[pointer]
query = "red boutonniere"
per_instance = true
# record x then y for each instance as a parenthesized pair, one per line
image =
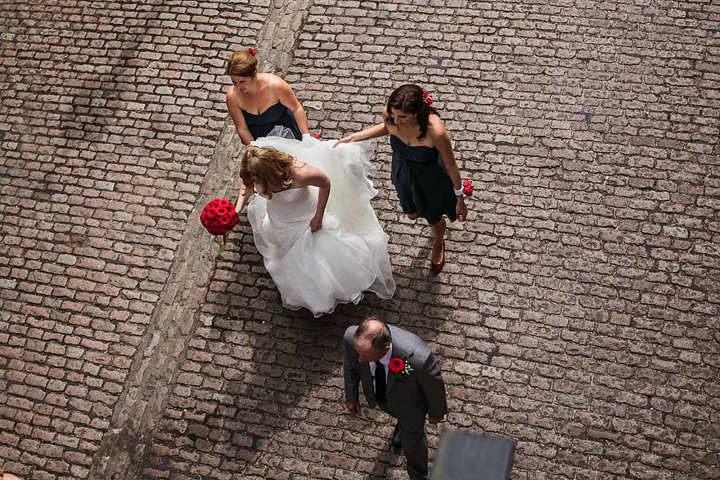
(399, 366)
(467, 187)
(219, 217)
(252, 51)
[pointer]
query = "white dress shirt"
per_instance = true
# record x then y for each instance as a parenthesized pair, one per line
(384, 361)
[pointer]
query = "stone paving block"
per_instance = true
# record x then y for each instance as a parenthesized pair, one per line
(98, 96)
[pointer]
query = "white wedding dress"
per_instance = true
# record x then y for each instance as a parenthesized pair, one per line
(348, 255)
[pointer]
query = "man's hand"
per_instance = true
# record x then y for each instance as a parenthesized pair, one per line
(353, 408)
(435, 421)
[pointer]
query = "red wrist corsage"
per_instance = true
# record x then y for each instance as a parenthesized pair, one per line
(467, 188)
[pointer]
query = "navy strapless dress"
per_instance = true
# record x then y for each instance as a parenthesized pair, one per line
(422, 182)
(278, 114)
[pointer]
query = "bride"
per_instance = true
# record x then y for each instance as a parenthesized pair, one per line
(312, 221)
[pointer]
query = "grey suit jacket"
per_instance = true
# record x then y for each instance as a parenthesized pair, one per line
(409, 396)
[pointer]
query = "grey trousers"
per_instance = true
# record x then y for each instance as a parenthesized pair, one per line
(414, 446)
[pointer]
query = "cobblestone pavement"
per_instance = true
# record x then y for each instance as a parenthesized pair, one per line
(578, 312)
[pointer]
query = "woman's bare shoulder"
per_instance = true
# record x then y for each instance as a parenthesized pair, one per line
(231, 96)
(388, 126)
(273, 81)
(436, 127)
(304, 173)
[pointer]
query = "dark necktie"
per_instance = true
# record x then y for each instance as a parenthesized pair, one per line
(380, 382)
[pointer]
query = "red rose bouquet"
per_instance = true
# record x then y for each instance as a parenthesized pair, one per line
(219, 217)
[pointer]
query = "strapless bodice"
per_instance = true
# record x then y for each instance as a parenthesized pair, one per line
(293, 205)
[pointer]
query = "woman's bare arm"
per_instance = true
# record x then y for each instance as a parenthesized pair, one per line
(245, 194)
(288, 98)
(309, 175)
(373, 132)
(441, 139)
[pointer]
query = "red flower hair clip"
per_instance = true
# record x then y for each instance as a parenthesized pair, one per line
(428, 99)
(252, 51)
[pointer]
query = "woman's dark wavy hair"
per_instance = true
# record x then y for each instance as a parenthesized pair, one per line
(409, 98)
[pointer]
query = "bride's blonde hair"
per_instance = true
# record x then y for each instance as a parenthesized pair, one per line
(269, 168)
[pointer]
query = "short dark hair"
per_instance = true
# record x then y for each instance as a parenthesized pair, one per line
(379, 341)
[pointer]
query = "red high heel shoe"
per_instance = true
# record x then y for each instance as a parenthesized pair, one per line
(436, 268)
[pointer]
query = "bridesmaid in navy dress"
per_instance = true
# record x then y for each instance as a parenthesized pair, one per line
(258, 102)
(424, 170)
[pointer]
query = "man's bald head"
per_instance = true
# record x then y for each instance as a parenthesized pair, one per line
(372, 339)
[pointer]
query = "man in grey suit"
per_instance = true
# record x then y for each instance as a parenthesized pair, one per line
(374, 355)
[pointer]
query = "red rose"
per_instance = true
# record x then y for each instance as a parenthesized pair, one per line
(315, 135)
(429, 101)
(252, 51)
(396, 365)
